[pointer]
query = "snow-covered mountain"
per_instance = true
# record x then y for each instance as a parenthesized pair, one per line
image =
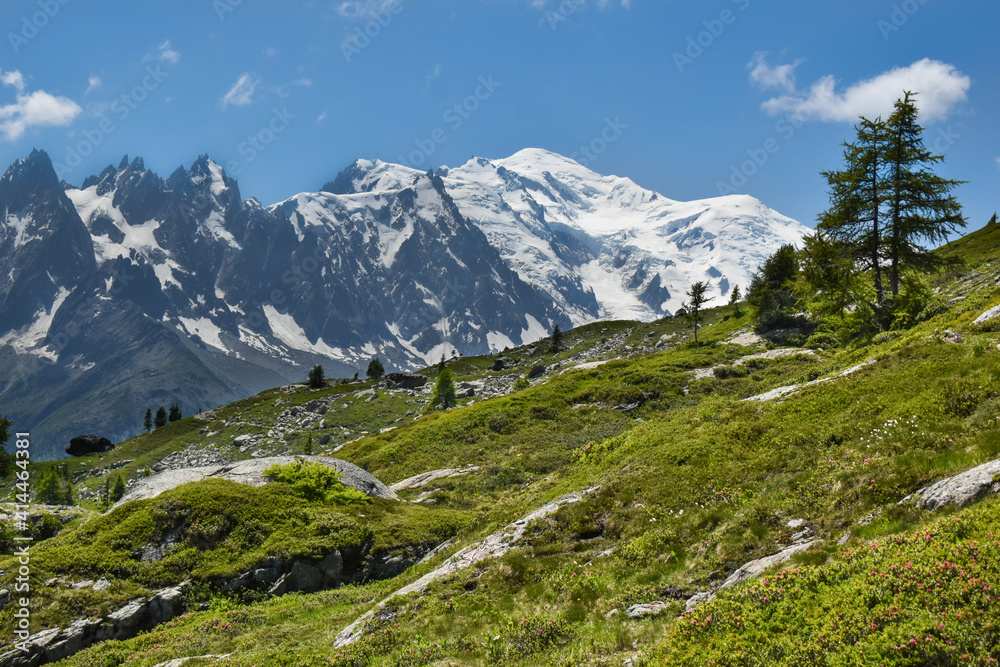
(600, 246)
(131, 290)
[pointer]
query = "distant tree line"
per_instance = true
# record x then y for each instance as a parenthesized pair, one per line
(161, 418)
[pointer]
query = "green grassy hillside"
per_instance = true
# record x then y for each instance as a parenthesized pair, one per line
(691, 480)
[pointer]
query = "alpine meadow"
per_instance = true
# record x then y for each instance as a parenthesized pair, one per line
(584, 398)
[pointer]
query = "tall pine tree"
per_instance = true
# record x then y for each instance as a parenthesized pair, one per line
(161, 417)
(921, 207)
(696, 302)
(857, 195)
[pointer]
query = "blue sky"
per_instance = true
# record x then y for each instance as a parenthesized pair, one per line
(691, 99)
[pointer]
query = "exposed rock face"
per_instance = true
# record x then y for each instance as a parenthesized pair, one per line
(425, 478)
(405, 380)
(82, 445)
(137, 616)
(493, 546)
(252, 472)
(990, 314)
(959, 490)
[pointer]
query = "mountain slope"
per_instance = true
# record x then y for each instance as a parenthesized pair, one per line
(653, 482)
(179, 290)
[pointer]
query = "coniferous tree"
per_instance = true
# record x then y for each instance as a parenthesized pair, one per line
(857, 196)
(993, 220)
(175, 413)
(557, 339)
(106, 494)
(828, 276)
(375, 369)
(147, 421)
(444, 391)
(161, 417)
(734, 300)
(921, 207)
(309, 445)
(441, 364)
(118, 490)
(770, 295)
(6, 459)
(316, 379)
(696, 301)
(55, 487)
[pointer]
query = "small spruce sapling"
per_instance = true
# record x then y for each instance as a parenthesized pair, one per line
(734, 300)
(696, 302)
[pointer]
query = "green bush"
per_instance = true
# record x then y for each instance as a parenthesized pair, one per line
(315, 482)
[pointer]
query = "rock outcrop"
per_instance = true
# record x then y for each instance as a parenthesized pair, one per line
(493, 546)
(251, 472)
(405, 381)
(137, 616)
(82, 445)
(959, 490)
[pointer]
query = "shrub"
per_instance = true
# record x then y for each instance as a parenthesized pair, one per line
(316, 482)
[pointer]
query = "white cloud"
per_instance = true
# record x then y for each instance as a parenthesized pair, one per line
(93, 83)
(13, 78)
(241, 94)
(940, 87)
(781, 77)
(270, 52)
(167, 53)
(35, 109)
(998, 162)
(322, 116)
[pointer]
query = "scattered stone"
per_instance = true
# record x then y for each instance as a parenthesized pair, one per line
(101, 584)
(193, 661)
(747, 339)
(648, 609)
(953, 337)
(536, 371)
(82, 445)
